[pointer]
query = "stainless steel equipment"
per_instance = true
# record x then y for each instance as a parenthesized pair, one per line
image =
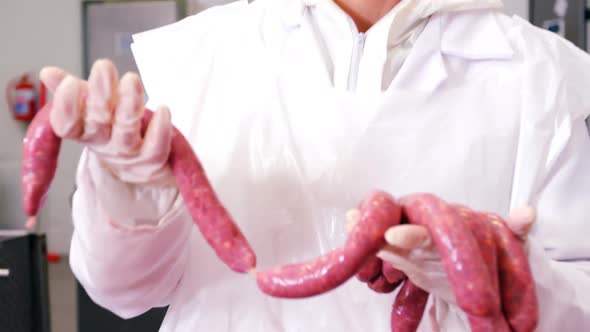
(568, 18)
(108, 27)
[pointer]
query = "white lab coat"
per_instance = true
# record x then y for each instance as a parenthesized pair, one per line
(483, 109)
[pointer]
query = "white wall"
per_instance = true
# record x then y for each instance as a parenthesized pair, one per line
(518, 7)
(34, 33)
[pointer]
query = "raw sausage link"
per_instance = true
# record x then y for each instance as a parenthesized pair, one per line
(371, 270)
(209, 214)
(506, 268)
(518, 293)
(460, 254)
(379, 212)
(41, 151)
(40, 155)
(408, 308)
(381, 285)
(483, 233)
(392, 274)
(485, 238)
(374, 274)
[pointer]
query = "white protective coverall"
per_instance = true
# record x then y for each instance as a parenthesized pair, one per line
(296, 116)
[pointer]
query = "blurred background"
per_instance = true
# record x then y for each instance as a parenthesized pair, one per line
(37, 290)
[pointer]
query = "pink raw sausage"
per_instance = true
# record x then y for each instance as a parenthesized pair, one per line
(378, 213)
(519, 298)
(460, 254)
(408, 308)
(41, 151)
(371, 270)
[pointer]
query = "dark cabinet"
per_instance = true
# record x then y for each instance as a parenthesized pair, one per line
(24, 294)
(93, 318)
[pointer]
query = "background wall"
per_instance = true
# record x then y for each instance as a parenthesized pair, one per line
(518, 7)
(35, 33)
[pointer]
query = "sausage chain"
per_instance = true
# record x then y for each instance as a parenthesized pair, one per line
(485, 263)
(39, 164)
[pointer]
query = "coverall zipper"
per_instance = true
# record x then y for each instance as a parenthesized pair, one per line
(355, 61)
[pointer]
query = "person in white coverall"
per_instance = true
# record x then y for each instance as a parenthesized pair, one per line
(297, 109)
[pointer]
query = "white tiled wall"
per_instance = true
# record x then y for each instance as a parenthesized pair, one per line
(34, 33)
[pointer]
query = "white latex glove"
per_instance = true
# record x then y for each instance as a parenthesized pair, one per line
(411, 250)
(105, 115)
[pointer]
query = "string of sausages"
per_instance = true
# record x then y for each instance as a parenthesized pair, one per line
(485, 263)
(39, 164)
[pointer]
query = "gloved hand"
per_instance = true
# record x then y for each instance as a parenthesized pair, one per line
(105, 115)
(411, 250)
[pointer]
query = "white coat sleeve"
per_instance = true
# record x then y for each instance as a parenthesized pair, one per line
(560, 254)
(559, 247)
(130, 243)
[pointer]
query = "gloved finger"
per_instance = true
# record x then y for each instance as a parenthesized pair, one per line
(422, 262)
(52, 77)
(406, 237)
(68, 103)
(520, 221)
(426, 271)
(102, 97)
(126, 131)
(409, 259)
(150, 164)
(157, 141)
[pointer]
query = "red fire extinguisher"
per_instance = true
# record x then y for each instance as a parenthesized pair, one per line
(21, 97)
